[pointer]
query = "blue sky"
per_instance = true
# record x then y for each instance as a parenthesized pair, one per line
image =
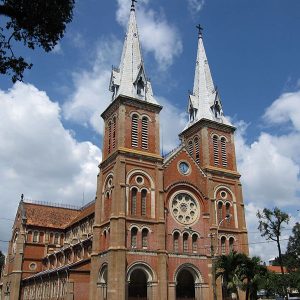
(51, 129)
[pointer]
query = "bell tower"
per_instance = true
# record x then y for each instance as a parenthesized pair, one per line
(129, 216)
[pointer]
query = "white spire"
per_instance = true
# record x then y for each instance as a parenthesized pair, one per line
(130, 79)
(205, 102)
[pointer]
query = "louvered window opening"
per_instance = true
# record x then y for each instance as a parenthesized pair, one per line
(175, 242)
(196, 141)
(145, 238)
(223, 245)
(134, 131)
(228, 211)
(133, 238)
(220, 211)
(231, 244)
(190, 148)
(195, 243)
(133, 201)
(185, 243)
(216, 150)
(109, 137)
(114, 133)
(223, 151)
(144, 203)
(145, 133)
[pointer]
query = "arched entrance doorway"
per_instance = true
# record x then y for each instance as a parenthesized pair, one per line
(137, 288)
(185, 285)
(102, 283)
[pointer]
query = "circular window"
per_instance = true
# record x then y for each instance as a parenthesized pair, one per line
(32, 266)
(184, 208)
(184, 168)
(223, 194)
(109, 183)
(139, 180)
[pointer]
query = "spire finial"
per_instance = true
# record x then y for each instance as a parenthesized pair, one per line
(132, 4)
(200, 29)
(22, 197)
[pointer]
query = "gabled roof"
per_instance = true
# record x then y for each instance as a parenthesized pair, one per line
(49, 216)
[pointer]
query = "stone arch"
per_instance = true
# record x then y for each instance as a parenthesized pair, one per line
(232, 202)
(188, 280)
(151, 190)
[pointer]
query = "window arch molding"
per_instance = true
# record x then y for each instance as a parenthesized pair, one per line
(150, 274)
(198, 278)
(109, 176)
(150, 190)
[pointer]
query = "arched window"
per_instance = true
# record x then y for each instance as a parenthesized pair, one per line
(191, 148)
(228, 211)
(197, 152)
(145, 238)
(134, 130)
(145, 133)
(216, 150)
(114, 133)
(220, 211)
(35, 236)
(223, 151)
(231, 244)
(223, 245)
(144, 203)
(185, 242)
(134, 237)
(175, 241)
(195, 242)
(109, 136)
(140, 87)
(56, 238)
(133, 201)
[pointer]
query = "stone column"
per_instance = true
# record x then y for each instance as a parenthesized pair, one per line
(172, 291)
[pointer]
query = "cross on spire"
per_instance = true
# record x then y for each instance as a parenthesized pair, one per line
(132, 4)
(200, 29)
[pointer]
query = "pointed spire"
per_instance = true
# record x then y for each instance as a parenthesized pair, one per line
(130, 78)
(204, 102)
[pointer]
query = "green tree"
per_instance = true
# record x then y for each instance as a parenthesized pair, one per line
(270, 226)
(250, 273)
(293, 249)
(35, 23)
(2, 261)
(226, 267)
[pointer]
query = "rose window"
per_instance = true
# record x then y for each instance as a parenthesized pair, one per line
(184, 209)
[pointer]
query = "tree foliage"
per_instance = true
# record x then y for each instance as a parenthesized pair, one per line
(293, 249)
(2, 261)
(35, 23)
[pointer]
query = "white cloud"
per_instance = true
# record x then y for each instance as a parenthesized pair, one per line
(172, 122)
(285, 109)
(38, 156)
(270, 168)
(156, 34)
(195, 5)
(91, 95)
(57, 49)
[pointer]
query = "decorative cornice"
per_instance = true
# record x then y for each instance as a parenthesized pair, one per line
(222, 172)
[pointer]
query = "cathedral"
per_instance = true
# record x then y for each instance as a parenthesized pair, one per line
(157, 223)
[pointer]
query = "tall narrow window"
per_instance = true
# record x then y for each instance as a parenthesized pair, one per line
(109, 136)
(133, 201)
(145, 238)
(195, 243)
(134, 131)
(114, 133)
(35, 236)
(175, 242)
(56, 237)
(134, 237)
(185, 242)
(228, 211)
(216, 150)
(144, 203)
(197, 152)
(144, 133)
(223, 151)
(223, 245)
(231, 244)
(190, 148)
(220, 211)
